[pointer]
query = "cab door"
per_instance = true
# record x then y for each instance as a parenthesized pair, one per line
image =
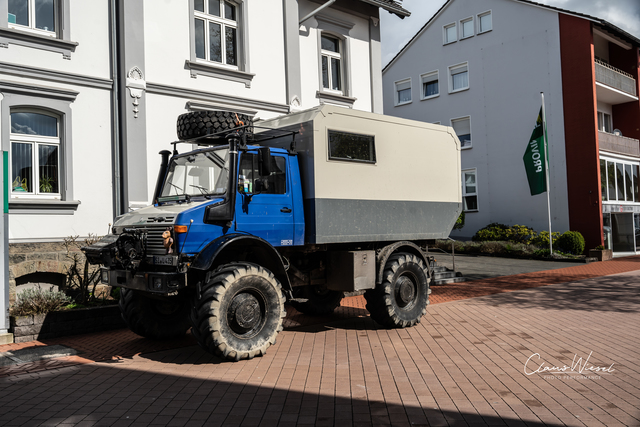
(264, 206)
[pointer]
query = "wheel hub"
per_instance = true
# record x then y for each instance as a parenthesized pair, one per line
(406, 291)
(244, 313)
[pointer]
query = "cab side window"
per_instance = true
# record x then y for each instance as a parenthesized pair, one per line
(250, 180)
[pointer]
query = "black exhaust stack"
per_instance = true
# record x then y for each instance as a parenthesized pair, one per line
(163, 171)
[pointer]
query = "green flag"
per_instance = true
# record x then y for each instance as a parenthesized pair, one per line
(535, 159)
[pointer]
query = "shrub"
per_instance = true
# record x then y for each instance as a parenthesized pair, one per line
(542, 239)
(38, 301)
(491, 233)
(459, 222)
(571, 242)
(520, 234)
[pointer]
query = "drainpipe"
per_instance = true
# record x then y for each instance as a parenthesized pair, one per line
(327, 4)
(115, 113)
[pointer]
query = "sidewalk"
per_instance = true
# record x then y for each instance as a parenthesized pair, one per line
(464, 364)
(112, 345)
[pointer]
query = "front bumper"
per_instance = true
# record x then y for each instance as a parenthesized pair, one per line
(156, 282)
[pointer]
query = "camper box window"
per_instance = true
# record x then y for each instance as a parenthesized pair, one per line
(351, 147)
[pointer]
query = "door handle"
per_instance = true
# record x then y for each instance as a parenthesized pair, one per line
(285, 210)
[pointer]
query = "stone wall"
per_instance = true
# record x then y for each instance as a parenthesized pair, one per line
(28, 258)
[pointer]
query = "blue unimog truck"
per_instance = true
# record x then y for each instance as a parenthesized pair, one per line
(298, 209)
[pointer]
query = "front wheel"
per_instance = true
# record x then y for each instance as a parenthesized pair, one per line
(239, 313)
(154, 318)
(402, 297)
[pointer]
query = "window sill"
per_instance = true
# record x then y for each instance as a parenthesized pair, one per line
(467, 148)
(199, 68)
(459, 90)
(335, 98)
(447, 43)
(57, 207)
(430, 97)
(22, 38)
(484, 32)
(403, 103)
(472, 211)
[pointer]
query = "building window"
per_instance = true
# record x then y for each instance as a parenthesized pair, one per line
(430, 87)
(466, 28)
(484, 22)
(462, 127)
(35, 155)
(351, 147)
(449, 33)
(604, 122)
(458, 77)
(38, 16)
(469, 191)
(403, 92)
(619, 181)
(331, 57)
(216, 31)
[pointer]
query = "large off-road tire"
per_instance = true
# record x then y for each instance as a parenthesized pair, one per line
(320, 300)
(157, 319)
(239, 311)
(402, 297)
(201, 123)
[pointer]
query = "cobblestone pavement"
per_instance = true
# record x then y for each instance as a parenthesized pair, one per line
(467, 363)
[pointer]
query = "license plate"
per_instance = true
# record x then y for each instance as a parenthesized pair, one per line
(163, 260)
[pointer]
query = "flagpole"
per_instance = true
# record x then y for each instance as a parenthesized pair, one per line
(546, 152)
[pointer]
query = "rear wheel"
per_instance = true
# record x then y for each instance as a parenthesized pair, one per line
(402, 297)
(320, 300)
(239, 313)
(157, 319)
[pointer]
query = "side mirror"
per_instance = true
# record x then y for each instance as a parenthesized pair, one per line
(264, 167)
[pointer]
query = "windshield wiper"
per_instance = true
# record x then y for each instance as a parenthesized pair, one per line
(173, 185)
(203, 190)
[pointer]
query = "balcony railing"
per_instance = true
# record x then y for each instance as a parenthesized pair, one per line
(618, 79)
(619, 144)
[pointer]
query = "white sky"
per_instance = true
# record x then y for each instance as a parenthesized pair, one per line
(397, 32)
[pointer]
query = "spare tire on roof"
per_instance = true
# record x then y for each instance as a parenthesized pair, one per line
(202, 123)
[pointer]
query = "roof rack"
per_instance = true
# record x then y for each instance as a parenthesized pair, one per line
(220, 138)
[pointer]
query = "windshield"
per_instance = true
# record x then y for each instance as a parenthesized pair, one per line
(204, 173)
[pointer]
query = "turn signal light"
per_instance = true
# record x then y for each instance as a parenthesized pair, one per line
(180, 228)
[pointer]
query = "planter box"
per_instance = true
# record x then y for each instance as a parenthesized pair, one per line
(63, 323)
(601, 254)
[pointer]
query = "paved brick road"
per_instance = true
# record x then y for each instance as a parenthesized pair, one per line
(463, 365)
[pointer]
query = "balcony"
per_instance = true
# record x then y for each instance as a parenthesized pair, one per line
(618, 144)
(614, 86)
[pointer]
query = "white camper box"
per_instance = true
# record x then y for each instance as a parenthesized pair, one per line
(407, 188)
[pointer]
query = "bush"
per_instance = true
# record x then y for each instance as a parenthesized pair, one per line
(542, 239)
(521, 234)
(491, 233)
(38, 301)
(571, 242)
(459, 222)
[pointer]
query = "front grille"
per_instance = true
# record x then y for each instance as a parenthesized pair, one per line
(155, 243)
